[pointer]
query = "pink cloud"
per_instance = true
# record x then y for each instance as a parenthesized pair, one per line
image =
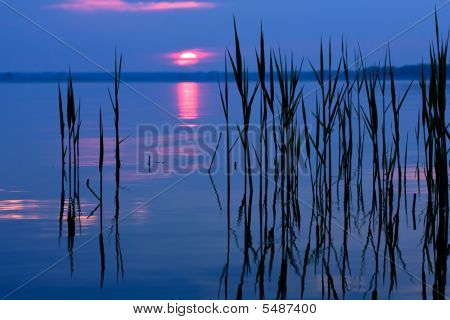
(124, 6)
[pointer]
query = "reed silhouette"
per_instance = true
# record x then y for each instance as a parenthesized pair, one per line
(99, 197)
(69, 147)
(63, 161)
(210, 176)
(344, 144)
(224, 97)
(115, 106)
(70, 156)
(354, 105)
(436, 133)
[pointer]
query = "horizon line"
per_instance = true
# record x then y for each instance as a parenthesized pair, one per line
(401, 72)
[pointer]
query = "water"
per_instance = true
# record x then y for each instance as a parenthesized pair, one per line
(171, 238)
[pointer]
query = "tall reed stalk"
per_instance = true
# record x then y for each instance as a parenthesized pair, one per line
(115, 105)
(436, 134)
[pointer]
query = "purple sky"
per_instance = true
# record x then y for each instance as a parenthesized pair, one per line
(192, 35)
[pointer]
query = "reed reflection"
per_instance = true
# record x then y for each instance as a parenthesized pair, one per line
(329, 233)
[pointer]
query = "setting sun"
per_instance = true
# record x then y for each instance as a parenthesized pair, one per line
(189, 57)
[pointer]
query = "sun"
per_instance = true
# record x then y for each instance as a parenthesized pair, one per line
(187, 58)
(188, 55)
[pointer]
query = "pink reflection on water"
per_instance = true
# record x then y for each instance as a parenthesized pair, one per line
(16, 216)
(127, 6)
(31, 209)
(89, 151)
(188, 98)
(18, 205)
(16, 209)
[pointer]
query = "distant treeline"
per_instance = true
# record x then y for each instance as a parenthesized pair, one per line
(406, 72)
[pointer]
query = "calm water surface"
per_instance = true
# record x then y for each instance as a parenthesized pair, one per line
(171, 241)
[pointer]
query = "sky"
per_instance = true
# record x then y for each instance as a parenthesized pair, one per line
(180, 35)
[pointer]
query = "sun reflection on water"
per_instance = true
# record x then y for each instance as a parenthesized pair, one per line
(188, 99)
